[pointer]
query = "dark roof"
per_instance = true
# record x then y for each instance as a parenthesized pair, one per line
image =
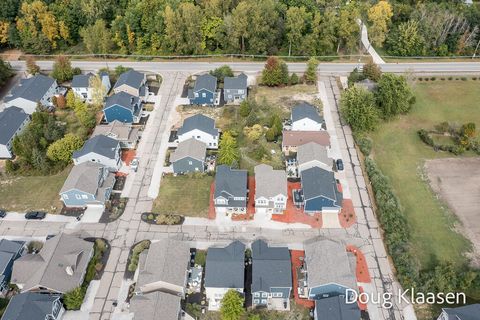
(100, 144)
(238, 82)
(123, 99)
(131, 78)
(335, 308)
(469, 312)
(32, 89)
(10, 120)
(205, 81)
(11, 246)
(271, 267)
(200, 122)
(225, 267)
(81, 80)
(29, 306)
(231, 183)
(5, 258)
(320, 182)
(305, 110)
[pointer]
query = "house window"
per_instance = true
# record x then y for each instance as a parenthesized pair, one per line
(264, 301)
(256, 301)
(198, 137)
(195, 94)
(229, 96)
(190, 163)
(204, 95)
(256, 294)
(65, 196)
(78, 197)
(264, 295)
(84, 196)
(241, 91)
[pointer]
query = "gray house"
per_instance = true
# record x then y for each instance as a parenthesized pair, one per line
(230, 195)
(88, 184)
(336, 308)
(189, 156)
(134, 83)
(468, 312)
(224, 271)
(100, 149)
(59, 267)
(235, 89)
(204, 91)
(34, 306)
(125, 133)
(319, 192)
(12, 121)
(271, 276)
(305, 117)
(9, 252)
(201, 128)
(311, 155)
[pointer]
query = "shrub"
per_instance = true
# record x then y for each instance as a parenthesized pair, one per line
(221, 72)
(245, 108)
(425, 137)
(433, 78)
(450, 78)
(365, 145)
(139, 248)
(474, 78)
(169, 219)
(420, 79)
(442, 78)
(464, 78)
(73, 299)
(294, 79)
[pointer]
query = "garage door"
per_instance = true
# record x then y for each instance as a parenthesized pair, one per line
(93, 213)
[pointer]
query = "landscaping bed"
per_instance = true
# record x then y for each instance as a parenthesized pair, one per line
(114, 208)
(162, 219)
(134, 256)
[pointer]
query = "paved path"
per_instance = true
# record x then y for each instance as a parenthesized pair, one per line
(368, 46)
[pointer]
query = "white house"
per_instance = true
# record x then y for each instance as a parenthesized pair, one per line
(29, 92)
(12, 121)
(271, 190)
(81, 85)
(305, 117)
(201, 128)
(100, 149)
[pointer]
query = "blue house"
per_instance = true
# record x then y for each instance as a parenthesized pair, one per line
(320, 191)
(9, 252)
(205, 91)
(122, 107)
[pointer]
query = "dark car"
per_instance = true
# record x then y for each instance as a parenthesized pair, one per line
(339, 164)
(3, 213)
(35, 215)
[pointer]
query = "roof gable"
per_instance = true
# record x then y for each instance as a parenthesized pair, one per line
(304, 110)
(10, 120)
(123, 100)
(318, 182)
(32, 89)
(207, 82)
(225, 267)
(190, 148)
(99, 144)
(238, 82)
(232, 182)
(130, 78)
(200, 122)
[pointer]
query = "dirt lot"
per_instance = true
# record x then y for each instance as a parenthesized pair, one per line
(457, 182)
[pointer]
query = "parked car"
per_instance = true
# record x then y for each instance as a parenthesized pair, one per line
(134, 164)
(35, 215)
(339, 164)
(3, 213)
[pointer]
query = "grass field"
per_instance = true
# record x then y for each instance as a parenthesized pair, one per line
(35, 192)
(401, 155)
(185, 195)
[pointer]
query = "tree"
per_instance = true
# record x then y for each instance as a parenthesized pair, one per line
(62, 149)
(406, 40)
(228, 150)
(293, 79)
(183, 32)
(275, 72)
(348, 29)
(84, 115)
(73, 299)
(232, 306)
(270, 135)
(393, 95)
(97, 37)
(6, 71)
(359, 110)
(245, 108)
(120, 69)
(32, 66)
(71, 99)
(221, 72)
(296, 23)
(62, 69)
(372, 71)
(379, 17)
(99, 91)
(253, 133)
(60, 101)
(311, 72)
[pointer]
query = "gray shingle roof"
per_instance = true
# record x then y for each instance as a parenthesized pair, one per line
(269, 182)
(318, 182)
(231, 183)
(30, 306)
(101, 145)
(5, 258)
(200, 122)
(131, 78)
(11, 246)
(85, 177)
(205, 81)
(32, 89)
(125, 100)
(469, 312)
(313, 151)
(117, 130)
(335, 308)
(327, 262)
(10, 120)
(305, 110)
(238, 82)
(225, 267)
(271, 267)
(81, 80)
(190, 148)
(48, 268)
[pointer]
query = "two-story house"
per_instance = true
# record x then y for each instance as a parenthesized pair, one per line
(270, 190)
(305, 117)
(9, 252)
(125, 133)
(224, 270)
(34, 306)
(122, 107)
(201, 128)
(235, 89)
(12, 121)
(32, 91)
(204, 91)
(100, 149)
(230, 196)
(82, 85)
(312, 155)
(271, 276)
(468, 312)
(88, 184)
(336, 308)
(291, 140)
(189, 157)
(133, 83)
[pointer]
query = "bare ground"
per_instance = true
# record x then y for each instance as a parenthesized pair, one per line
(457, 182)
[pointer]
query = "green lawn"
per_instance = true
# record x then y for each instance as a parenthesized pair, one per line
(401, 155)
(185, 195)
(35, 192)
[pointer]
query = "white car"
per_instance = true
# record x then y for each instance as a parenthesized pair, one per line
(134, 164)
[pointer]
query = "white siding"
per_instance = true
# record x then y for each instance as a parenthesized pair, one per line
(306, 124)
(208, 139)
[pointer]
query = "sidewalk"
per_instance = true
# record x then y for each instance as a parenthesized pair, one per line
(368, 46)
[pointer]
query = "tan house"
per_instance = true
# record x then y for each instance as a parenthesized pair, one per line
(293, 139)
(133, 83)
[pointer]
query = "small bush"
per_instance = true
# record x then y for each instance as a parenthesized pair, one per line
(169, 219)
(365, 144)
(474, 78)
(426, 79)
(73, 299)
(433, 78)
(442, 78)
(464, 78)
(139, 248)
(450, 78)
(420, 79)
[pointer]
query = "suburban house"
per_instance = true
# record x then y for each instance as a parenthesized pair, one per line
(133, 83)
(161, 281)
(12, 121)
(204, 91)
(88, 184)
(9, 252)
(336, 308)
(305, 117)
(270, 190)
(32, 91)
(100, 149)
(319, 193)
(293, 139)
(330, 269)
(271, 276)
(235, 88)
(199, 127)
(122, 107)
(468, 312)
(367, 84)
(230, 195)
(312, 155)
(224, 270)
(81, 85)
(34, 306)
(59, 267)
(189, 156)
(125, 133)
